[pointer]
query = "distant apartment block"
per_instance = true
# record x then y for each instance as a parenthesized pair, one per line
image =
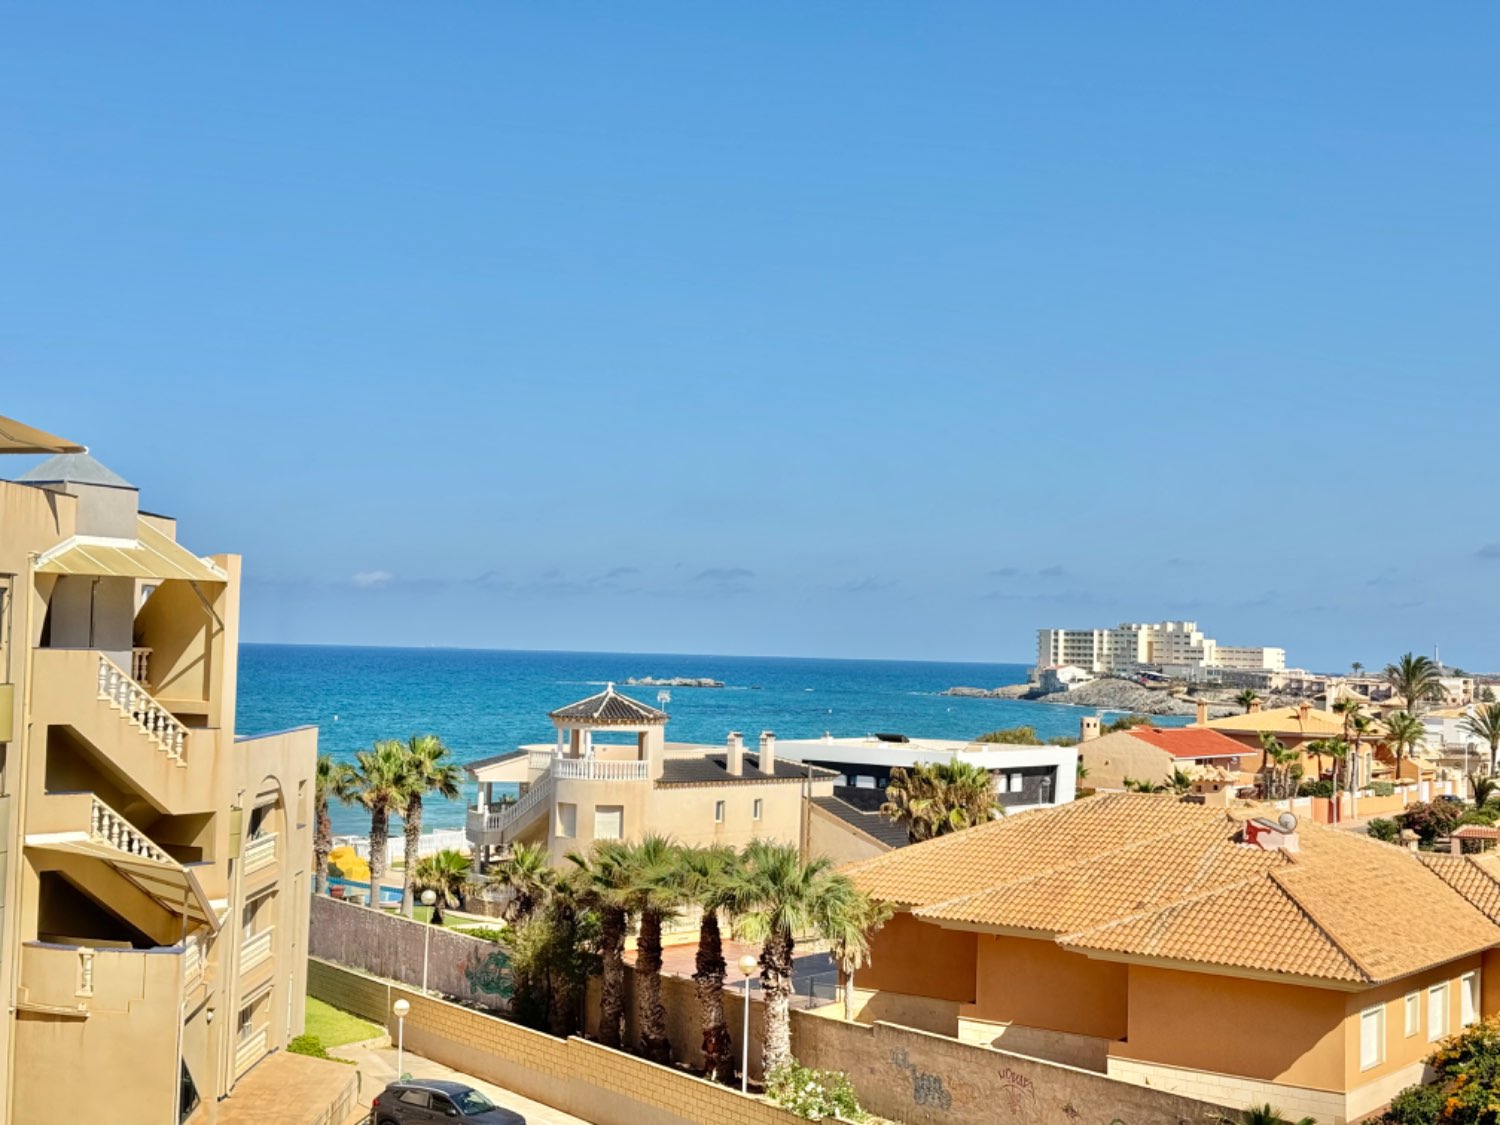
(1176, 648)
(155, 867)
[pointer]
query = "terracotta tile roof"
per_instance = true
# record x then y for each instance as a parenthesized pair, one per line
(1151, 876)
(1282, 720)
(1476, 877)
(1189, 742)
(610, 708)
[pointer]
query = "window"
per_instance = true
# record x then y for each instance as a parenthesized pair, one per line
(1468, 997)
(567, 820)
(609, 822)
(718, 812)
(755, 807)
(1437, 1012)
(1371, 1037)
(418, 1098)
(243, 1030)
(1016, 782)
(1413, 1013)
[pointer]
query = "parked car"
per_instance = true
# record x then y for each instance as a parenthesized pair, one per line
(423, 1102)
(1450, 799)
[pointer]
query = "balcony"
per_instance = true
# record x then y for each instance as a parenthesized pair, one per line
(260, 853)
(86, 980)
(497, 827)
(600, 769)
(256, 949)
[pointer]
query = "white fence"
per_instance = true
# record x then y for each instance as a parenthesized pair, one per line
(430, 843)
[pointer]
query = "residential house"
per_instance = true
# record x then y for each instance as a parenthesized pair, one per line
(1212, 951)
(1147, 753)
(156, 867)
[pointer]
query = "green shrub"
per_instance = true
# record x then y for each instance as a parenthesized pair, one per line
(309, 1045)
(1320, 788)
(1383, 828)
(485, 933)
(1415, 1105)
(1014, 736)
(1487, 815)
(1430, 819)
(1382, 789)
(1125, 722)
(813, 1094)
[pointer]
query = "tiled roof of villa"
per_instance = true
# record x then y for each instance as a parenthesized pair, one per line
(1150, 876)
(710, 769)
(1189, 742)
(1282, 720)
(1476, 877)
(610, 708)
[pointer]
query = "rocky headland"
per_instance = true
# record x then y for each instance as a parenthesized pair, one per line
(673, 681)
(1107, 694)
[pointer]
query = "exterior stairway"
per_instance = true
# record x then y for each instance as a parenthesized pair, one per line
(499, 827)
(86, 691)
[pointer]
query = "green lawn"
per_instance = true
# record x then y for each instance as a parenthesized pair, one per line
(335, 1028)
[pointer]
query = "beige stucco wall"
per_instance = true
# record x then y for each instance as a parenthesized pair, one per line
(1111, 758)
(916, 958)
(842, 843)
(1033, 982)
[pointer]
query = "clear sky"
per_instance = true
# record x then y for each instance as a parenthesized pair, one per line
(822, 329)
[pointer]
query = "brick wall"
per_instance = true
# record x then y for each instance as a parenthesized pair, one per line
(468, 969)
(574, 1075)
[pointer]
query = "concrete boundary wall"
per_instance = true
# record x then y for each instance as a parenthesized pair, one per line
(593, 1082)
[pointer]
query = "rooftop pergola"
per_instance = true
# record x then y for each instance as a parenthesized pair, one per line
(607, 710)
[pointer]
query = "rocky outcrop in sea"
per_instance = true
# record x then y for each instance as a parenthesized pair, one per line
(1105, 695)
(673, 681)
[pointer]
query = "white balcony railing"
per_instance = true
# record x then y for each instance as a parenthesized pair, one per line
(600, 769)
(540, 759)
(134, 701)
(109, 827)
(256, 949)
(251, 1047)
(260, 852)
(496, 820)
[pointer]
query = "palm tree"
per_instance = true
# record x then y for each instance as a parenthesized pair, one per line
(1415, 679)
(1351, 709)
(1357, 667)
(378, 783)
(849, 941)
(1134, 786)
(1403, 732)
(334, 782)
(1247, 699)
(428, 769)
(1482, 787)
(601, 883)
(708, 876)
(1485, 723)
(527, 873)
(654, 894)
(1274, 753)
(1268, 1114)
(935, 799)
(449, 874)
(776, 896)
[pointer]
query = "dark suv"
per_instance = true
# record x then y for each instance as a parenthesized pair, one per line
(420, 1102)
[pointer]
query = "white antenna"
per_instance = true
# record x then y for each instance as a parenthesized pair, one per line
(664, 697)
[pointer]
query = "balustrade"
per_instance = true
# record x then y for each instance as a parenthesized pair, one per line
(109, 827)
(133, 700)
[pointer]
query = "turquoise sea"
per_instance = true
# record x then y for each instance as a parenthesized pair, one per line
(489, 702)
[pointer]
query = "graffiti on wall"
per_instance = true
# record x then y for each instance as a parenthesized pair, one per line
(926, 1088)
(1018, 1089)
(490, 974)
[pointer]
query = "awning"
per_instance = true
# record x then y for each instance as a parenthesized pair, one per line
(17, 437)
(153, 554)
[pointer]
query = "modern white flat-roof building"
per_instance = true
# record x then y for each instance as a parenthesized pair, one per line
(1130, 646)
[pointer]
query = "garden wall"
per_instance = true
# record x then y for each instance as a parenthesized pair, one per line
(469, 969)
(600, 1085)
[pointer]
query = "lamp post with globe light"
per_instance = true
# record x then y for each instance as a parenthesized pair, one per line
(747, 966)
(429, 898)
(400, 1008)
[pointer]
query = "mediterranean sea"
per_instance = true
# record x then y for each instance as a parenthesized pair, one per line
(484, 702)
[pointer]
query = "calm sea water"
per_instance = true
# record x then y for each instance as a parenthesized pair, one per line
(486, 702)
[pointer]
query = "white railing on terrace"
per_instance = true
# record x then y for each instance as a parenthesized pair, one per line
(135, 701)
(540, 759)
(109, 827)
(256, 949)
(140, 665)
(496, 820)
(600, 769)
(260, 852)
(251, 1047)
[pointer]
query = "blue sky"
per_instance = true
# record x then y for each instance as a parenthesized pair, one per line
(846, 329)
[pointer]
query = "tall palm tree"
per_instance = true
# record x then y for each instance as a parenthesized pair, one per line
(334, 781)
(849, 937)
(1414, 679)
(1357, 667)
(429, 768)
(379, 786)
(708, 875)
(938, 798)
(449, 874)
(1403, 732)
(1351, 709)
(777, 896)
(527, 873)
(1485, 723)
(654, 895)
(1247, 699)
(602, 882)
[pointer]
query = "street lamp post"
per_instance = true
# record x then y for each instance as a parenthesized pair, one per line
(400, 1007)
(429, 897)
(747, 966)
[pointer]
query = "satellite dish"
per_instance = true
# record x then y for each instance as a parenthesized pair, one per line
(1288, 822)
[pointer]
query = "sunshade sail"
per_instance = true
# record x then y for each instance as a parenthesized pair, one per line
(153, 554)
(17, 437)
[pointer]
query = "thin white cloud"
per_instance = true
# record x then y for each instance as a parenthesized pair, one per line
(372, 579)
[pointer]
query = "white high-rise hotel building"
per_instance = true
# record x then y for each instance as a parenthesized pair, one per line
(1177, 646)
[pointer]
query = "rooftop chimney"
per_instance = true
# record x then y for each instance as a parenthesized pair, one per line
(767, 761)
(1202, 718)
(1088, 728)
(1302, 711)
(1254, 705)
(734, 759)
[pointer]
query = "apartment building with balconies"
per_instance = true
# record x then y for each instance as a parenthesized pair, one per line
(155, 867)
(611, 775)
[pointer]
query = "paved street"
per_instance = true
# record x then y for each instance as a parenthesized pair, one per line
(378, 1065)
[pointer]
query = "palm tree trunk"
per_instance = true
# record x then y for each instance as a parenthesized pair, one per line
(322, 848)
(776, 988)
(1494, 755)
(709, 978)
(653, 1015)
(612, 977)
(380, 827)
(846, 983)
(411, 821)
